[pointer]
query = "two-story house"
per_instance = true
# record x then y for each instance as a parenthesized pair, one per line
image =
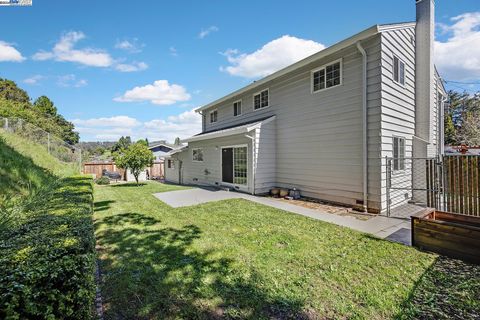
(325, 124)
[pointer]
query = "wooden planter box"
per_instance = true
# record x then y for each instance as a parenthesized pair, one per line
(450, 234)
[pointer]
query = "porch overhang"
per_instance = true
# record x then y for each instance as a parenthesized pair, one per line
(240, 129)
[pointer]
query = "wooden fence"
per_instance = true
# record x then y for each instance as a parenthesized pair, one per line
(459, 180)
(155, 171)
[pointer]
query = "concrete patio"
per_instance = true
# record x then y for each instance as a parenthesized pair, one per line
(393, 229)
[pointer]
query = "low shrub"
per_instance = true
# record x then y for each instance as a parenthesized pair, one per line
(47, 263)
(102, 180)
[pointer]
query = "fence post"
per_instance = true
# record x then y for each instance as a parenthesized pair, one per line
(48, 142)
(6, 124)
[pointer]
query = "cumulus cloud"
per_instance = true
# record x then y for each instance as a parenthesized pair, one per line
(9, 53)
(458, 58)
(70, 80)
(207, 31)
(272, 57)
(64, 51)
(131, 67)
(132, 46)
(160, 93)
(183, 125)
(33, 80)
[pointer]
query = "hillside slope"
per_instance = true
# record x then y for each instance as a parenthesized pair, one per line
(26, 166)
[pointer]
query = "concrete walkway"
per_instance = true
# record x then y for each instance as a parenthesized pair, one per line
(393, 229)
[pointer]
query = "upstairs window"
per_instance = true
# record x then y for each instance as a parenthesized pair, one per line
(398, 153)
(398, 70)
(213, 116)
(260, 100)
(237, 108)
(327, 76)
(197, 155)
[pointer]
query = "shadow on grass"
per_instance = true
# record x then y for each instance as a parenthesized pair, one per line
(103, 205)
(156, 273)
(448, 289)
(128, 184)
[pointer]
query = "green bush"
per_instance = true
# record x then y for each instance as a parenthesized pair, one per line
(47, 263)
(102, 180)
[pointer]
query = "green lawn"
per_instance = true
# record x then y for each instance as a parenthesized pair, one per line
(237, 259)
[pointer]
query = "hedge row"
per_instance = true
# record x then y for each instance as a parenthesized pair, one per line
(47, 263)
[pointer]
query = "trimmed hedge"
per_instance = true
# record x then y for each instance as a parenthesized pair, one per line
(102, 181)
(47, 263)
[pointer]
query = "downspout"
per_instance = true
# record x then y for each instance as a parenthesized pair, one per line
(253, 161)
(365, 124)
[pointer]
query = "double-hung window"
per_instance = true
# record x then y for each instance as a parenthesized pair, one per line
(197, 155)
(213, 116)
(260, 100)
(327, 76)
(237, 108)
(398, 154)
(398, 70)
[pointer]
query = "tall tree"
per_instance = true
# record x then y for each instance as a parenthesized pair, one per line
(177, 141)
(10, 91)
(46, 106)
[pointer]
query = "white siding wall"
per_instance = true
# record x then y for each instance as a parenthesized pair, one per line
(398, 104)
(171, 174)
(319, 136)
(265, 155)
(194, 172)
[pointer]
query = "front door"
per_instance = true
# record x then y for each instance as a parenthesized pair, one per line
(227, 165)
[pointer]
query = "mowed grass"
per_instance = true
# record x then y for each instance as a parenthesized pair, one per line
(237, 259)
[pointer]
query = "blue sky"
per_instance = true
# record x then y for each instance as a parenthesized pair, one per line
(139, 68)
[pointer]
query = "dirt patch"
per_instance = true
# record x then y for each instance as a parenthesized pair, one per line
(327, 207)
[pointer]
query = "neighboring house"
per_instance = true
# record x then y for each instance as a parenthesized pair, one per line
(326, 123)
(160, 149)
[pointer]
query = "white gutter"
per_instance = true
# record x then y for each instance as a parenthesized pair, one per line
(365, 124)
(253, 161)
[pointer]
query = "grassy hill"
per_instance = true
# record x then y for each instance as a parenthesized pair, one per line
(26, 167)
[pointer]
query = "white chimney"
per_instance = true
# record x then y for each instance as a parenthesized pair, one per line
(424, 71)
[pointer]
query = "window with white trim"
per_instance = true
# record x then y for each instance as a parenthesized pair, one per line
(327, 76)
(261, 100)
(213, 116)
(197, 154)
(398, 70)
(398, 153)
(237, 108)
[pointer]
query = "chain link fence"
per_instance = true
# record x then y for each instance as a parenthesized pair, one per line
(55, 146)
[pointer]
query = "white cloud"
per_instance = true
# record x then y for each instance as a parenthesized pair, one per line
(131, 67)
(173, 51)
(207, 31)
(458, 58)
(132, 46)
(272, 57)
(9, 53)
(70, 80)
(183, 125)
(160, 92)
(116, 121)
(64, 51)
(33, 80)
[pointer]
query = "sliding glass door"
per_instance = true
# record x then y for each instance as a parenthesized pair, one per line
(234, 165)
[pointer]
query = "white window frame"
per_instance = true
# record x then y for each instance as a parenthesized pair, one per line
(210, 114)
(260, 93)
(241, 107)
(400, 61)
(324, 67)
(400, 167)
(196, 149)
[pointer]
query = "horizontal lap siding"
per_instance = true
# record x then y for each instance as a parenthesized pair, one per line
(398, 102)
(319, 136)
(266, 157)
(212, 161)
